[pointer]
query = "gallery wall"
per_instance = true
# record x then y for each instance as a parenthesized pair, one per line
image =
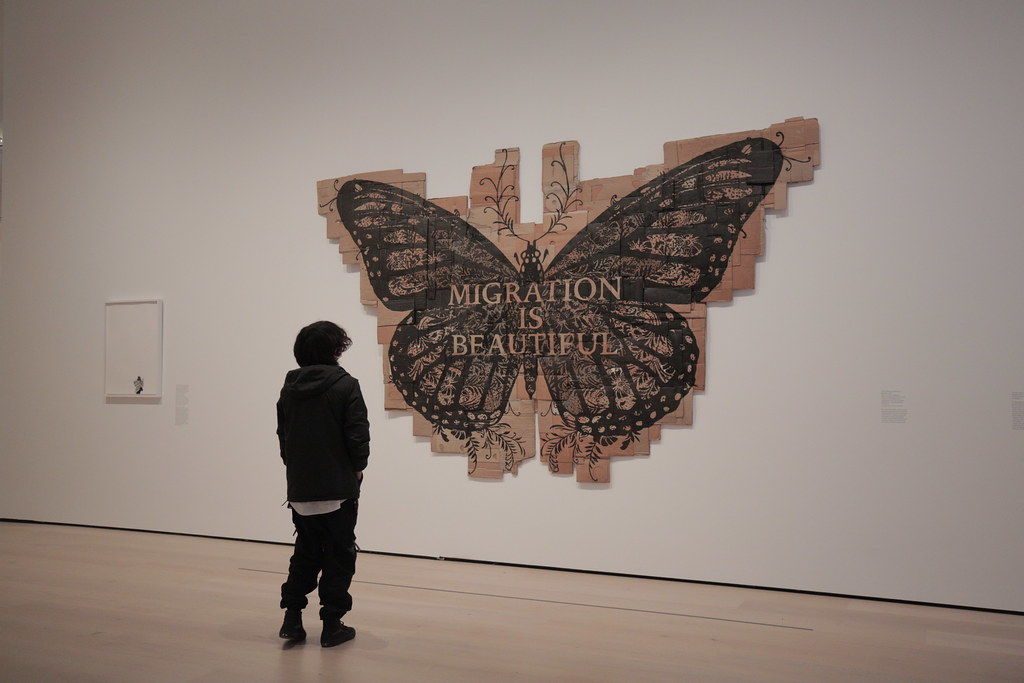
(169, 150)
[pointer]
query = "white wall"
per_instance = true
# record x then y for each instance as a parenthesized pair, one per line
(170, 150)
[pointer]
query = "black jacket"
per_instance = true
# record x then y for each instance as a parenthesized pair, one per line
(324, 433)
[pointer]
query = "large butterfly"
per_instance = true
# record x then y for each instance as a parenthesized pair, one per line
(668, 242)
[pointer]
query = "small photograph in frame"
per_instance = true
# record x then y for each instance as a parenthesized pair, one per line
(134, 349)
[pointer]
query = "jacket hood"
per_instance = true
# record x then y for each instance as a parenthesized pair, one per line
(311, 380)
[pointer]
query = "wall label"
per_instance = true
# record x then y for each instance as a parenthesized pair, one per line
(894, 407)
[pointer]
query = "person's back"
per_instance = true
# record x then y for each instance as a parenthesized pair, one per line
(325, 443)
(322, 413)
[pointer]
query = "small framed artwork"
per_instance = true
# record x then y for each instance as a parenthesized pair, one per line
(134, 348)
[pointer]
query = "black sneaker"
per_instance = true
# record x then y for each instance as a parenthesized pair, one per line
(335, 633)
(292, 629)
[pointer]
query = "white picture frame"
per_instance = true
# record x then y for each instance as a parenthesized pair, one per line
(133, 356)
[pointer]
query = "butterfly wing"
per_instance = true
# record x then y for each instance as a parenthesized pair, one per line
(413, 250)
(675, 234)
(649, 365)
(459, 391)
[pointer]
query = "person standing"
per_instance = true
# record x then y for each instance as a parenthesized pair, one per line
(324, 436)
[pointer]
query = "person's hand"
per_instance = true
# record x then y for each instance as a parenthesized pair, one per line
(359, 477)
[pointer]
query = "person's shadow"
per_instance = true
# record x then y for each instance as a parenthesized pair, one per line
(289, 644)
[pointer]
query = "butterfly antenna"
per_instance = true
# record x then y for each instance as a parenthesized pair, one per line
(502, 196)
(565, 199)
(508, 230)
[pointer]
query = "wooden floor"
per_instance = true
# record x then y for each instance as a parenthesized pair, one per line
(92, 604)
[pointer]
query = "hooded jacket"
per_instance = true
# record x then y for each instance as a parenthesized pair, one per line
(324, 433)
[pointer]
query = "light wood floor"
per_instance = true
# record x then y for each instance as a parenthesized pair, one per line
(92, 604)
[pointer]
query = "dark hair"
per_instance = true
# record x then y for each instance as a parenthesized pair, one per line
(320, 343)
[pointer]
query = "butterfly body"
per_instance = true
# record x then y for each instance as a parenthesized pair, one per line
(530, 262)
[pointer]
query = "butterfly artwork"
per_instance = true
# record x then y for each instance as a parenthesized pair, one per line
(586, 331)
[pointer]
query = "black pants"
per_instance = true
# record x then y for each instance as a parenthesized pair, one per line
(323, 543)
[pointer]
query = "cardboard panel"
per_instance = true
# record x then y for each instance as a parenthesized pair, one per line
(494, 336)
